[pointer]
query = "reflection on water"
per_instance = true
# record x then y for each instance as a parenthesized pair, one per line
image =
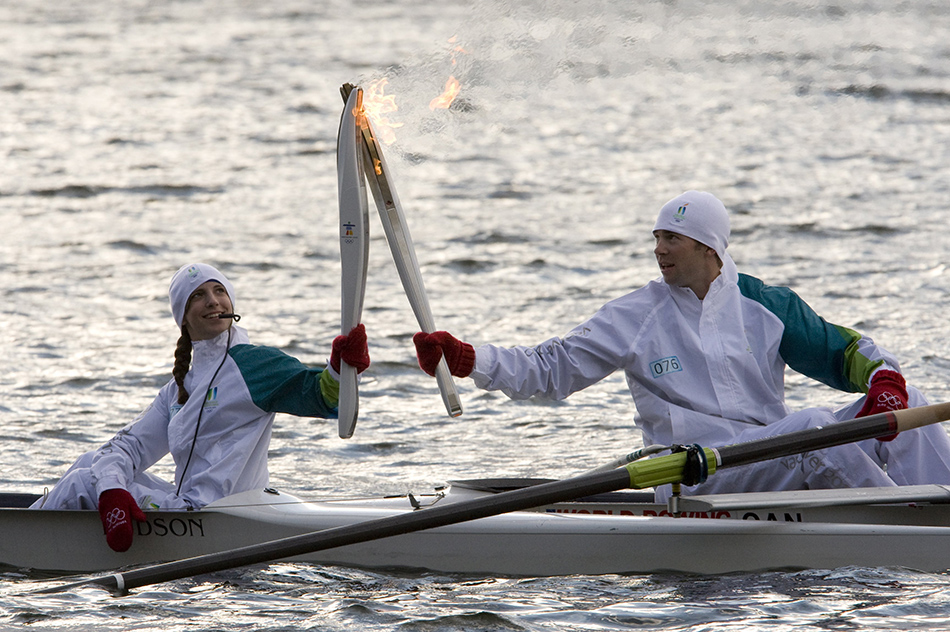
(286, 596)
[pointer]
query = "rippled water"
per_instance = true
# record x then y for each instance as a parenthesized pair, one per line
(137, 136)
(287, 597)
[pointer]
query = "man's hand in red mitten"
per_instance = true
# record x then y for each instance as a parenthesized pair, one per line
(352, 349)
(459, 356)
(888, 391)
(118, 509)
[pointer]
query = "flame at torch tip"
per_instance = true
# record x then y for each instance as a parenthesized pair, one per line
(376, 105)
(444, 100)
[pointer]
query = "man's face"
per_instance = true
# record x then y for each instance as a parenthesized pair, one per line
(683, 261)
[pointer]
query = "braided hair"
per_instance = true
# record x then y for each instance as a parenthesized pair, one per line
(183, 359)
(182, 363)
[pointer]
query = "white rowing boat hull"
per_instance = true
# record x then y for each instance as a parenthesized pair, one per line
(564, 539)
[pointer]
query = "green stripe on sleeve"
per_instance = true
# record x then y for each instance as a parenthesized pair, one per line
(280, 383)
(330, 389)
(858, 366)
(810, 344)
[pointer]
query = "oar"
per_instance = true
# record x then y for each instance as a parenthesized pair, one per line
(637, 475)
(636, 455)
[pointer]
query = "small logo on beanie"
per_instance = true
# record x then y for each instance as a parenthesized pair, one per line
(192, 271)
(680, 215)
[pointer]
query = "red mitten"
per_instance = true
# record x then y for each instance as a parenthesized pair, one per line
(428, 351)
(888, 391)
(459, 356)
(352, 349)
(118, 509)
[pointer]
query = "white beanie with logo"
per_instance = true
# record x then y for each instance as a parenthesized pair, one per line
(698, 215)
(188, 278)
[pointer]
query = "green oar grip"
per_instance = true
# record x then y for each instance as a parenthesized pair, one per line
(664, 469)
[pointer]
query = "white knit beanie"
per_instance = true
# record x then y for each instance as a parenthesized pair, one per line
(698, 215)
(188, 278)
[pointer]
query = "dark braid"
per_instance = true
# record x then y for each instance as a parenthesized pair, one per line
(182, 363)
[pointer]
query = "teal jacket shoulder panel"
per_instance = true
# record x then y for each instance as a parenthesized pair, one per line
(280, 383)
(810, 344)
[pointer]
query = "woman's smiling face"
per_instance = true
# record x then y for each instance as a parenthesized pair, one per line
(205, 305)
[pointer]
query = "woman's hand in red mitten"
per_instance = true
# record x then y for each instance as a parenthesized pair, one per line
(118, 509)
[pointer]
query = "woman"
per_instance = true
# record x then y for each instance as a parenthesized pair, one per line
(214, 416)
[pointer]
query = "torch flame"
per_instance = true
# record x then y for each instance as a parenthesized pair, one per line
(376, 105)
(444, 100)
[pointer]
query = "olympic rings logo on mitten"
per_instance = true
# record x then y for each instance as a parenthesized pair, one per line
(115, 518)
(890, 401)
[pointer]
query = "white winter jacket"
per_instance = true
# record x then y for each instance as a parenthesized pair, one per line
(250, 384)
(699, 370)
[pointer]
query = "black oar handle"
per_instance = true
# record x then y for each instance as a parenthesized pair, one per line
(836, 434)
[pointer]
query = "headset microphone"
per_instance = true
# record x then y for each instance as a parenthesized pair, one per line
(236, 317)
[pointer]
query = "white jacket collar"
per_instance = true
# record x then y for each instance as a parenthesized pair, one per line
(205, 351)
(728, 278)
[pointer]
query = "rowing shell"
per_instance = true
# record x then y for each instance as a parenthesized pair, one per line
(621, 532)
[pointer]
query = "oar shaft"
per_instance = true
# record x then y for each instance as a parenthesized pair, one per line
(437, 516)
(836, 434)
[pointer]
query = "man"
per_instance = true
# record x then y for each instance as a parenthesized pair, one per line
(704, 351)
